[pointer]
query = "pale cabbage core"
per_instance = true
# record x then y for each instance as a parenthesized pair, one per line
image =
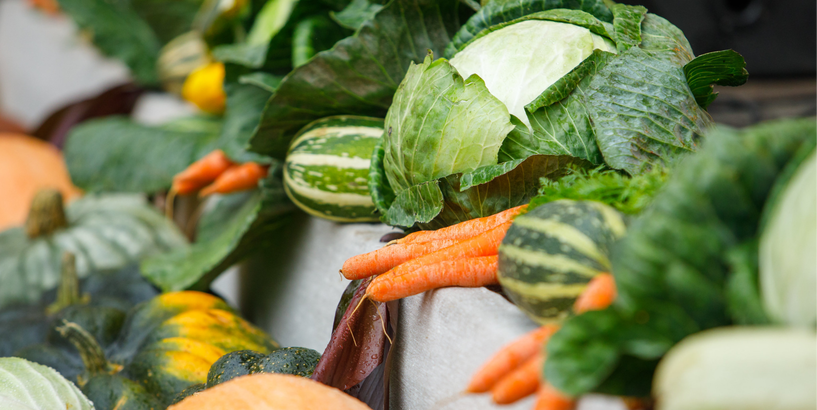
(522, 60)
(788, 249)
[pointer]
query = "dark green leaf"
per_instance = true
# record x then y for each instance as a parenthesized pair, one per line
(725, 67)
(357, 13)
(313, 35)
(218, 213)
(564, 86)
(360, 74)
(502, 11)
(120, 33)
(247, 55)
(168, 19)
(244, 105)
(742, 290)
(118, 155)
(659, 36)
(247, 231)
(262, 80)
(627, 23)
(643, 112)
(516, 187)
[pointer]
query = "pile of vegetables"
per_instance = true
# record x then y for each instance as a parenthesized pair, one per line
(558, 151)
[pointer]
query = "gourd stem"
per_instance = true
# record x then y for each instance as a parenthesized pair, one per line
(46, 214)
(89, 350)
(68, 289)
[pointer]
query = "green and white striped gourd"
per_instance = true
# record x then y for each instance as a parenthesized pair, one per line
(326, 172)
(550, 254)
(26, 385)
(104, 232)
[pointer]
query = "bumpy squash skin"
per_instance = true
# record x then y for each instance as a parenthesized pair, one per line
(164, 346)
(298, 361)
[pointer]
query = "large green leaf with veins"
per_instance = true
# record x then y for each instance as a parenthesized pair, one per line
(117, 155)
(360, 74)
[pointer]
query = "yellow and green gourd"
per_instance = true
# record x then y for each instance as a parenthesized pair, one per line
(326, 172)
(551, 252)
(160, 348)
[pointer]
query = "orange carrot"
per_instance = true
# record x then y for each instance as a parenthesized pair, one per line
(464, 230)
(485, 244)
(548, 398)
(599, 293)
(383, 259)
(236, 178)
(467, 272)
(509, 357)
(520, 383)
(201, 172)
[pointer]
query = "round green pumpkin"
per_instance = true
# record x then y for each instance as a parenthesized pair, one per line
(160, 348)
(27, 324)
(551, 252)
(105, 232)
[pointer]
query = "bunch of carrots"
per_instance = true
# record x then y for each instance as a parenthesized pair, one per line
(217, 174)
(466, 255)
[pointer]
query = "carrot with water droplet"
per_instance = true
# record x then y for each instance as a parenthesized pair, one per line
(599, 293)
(201, 173)
(509, 357)
(467, 272)
(463, 230)
(236, 178)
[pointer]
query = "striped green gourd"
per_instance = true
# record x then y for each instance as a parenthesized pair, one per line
(326, 172)
(550, 254)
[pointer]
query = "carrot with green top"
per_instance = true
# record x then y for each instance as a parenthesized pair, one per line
(510, 357)
(201, 173)
(599, 293)
(467, 272)
(383, 259)
(464, 230)
(236, 178)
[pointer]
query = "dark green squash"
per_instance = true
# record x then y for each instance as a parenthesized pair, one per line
(157, 350)
(550, 254)
(24, 324)
(298, 361)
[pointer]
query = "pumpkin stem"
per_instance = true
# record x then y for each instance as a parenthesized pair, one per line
(46, 214)
(89, 350)
(68, 290)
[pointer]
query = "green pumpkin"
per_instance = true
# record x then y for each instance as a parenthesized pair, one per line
(160, 348)
(27, 324)
(551, 252)
(105, 232)
(298, 361)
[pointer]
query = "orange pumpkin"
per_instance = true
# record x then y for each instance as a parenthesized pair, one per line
(270, 391)
(27, 165)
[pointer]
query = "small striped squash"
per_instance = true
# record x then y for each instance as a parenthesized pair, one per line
(550, 253)
(326, 172)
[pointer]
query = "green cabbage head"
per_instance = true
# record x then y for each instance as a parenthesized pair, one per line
(531, 87)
